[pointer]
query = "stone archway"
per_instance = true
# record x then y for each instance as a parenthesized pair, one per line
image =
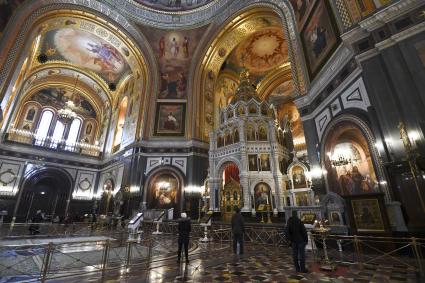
(47, 190)
(164, 190)
(349, 155)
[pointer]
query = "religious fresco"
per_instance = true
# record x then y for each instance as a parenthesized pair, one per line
(170, 119)
(163, 192)
(174, 51)
(252, 162)
(259, 53)
(319, 37)
(298, 177)
(356, 177)
(262, 195)
(367, 215)
(264, 162)
(7, 8)
(302, 9)
(288, 111)
(285, 89)
(174, 5)
(358, 9)
(85, 50)
(57, 97)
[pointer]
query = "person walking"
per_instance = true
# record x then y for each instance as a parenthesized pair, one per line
(238, 228)
(297, 234)
(184, 234)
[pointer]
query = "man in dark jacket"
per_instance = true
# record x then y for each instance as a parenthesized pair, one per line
(297, 234)
(184, 233)
(35, 223)
(238, 229)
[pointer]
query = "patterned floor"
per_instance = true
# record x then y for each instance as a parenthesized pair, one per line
(215, 263)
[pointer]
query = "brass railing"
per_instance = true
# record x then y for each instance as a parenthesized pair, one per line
(365, 251)
(41, 262)
(30, 138)
(46, 261)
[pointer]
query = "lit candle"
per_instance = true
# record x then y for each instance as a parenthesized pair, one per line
(267, 199)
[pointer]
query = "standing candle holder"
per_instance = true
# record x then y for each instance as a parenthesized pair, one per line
(323, 232)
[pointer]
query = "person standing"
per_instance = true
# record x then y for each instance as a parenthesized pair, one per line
(184, 234)
(297, 234)
(35, 223)
(238, 228)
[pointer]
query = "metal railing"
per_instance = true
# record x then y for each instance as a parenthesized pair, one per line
(366, 251)
(53, 260)
(29, 138)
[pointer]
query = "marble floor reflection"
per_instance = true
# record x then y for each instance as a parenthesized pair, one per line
(216, 263)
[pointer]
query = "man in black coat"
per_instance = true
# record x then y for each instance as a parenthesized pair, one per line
(238, 228)
(184, 233)
(297, 234)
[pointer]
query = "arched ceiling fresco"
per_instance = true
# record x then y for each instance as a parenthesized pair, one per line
(57, 97)
(259, 53)
(85, 50)
(173, 5)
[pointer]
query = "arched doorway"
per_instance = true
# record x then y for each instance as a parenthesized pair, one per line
(164, 192)
(348, 161)
(47, 191)
(231, 193)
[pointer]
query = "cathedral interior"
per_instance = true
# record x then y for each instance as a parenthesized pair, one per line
(114, 108)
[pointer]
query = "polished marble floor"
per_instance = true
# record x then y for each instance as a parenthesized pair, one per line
(216, 263)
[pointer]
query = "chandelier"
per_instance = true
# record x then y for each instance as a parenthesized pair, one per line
(341, 161)
(66, 114)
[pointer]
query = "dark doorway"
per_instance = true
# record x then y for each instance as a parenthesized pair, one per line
(47, 191)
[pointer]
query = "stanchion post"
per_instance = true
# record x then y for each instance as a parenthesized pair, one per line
(358, 251)
(150, 246)
(417, 253)
(105, 256)
(46, 262)
(128, 258)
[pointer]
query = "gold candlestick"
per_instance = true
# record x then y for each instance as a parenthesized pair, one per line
(269, 220)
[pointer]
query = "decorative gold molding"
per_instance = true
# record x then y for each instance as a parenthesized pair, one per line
(273, 79)
(234, 32)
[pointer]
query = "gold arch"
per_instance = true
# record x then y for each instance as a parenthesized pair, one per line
(274, 79)
(69, 83)
(52, 65)
(134, 57)
(234, 31)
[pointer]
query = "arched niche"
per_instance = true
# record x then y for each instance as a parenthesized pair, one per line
(350, 158)
(234, 29)
(47, 189)
(299, 176)
(164, 190)
(55, 16)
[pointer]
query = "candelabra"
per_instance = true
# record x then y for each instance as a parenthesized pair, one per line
(323, 231)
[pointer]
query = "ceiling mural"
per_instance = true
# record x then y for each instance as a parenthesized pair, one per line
(85, 50)
(174, 51)
(285, 90)
(174, 5)
(259, 53)
(57, 97)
